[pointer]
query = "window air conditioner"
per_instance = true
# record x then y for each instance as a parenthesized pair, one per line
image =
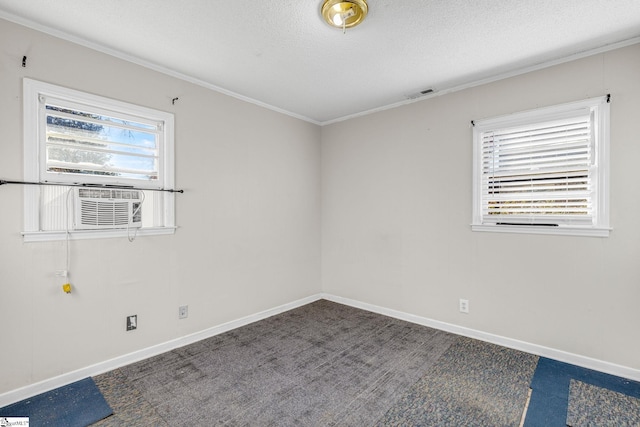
(98, 208)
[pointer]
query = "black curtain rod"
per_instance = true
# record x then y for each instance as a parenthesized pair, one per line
(117, 187)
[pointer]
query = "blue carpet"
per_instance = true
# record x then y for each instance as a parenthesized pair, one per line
(75, 405)
(550, 390)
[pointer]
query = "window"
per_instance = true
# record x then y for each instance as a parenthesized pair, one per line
(543, 171)
(77, 138)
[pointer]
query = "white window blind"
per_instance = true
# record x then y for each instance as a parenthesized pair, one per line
(542, 168)
(538, 173)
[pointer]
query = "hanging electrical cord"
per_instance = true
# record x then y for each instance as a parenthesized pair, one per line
(67, 285)
(67, 231)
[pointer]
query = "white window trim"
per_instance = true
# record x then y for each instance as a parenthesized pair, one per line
(46, 236)
(602, 123)
(32, 90)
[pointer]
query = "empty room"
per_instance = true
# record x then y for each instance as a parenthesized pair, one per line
(320, 213)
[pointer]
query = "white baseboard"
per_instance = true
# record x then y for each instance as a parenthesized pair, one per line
(562, 356)
(99, 368)
(108, 365)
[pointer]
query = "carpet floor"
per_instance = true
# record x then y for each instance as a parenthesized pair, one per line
(473, 384)
(78, 404)
(324, 364)
(564, 395)
(590, 405)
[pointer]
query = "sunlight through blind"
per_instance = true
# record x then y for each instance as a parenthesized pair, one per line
(538, 173)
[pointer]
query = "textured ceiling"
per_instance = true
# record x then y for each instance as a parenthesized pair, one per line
(279, 53)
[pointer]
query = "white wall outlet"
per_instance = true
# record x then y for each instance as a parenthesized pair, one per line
(132, 322)
(62, 273)
(464, 305)
(183, 312)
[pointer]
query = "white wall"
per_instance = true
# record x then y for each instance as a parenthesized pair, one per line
(396, 213)
(389, 196)
(249, 221)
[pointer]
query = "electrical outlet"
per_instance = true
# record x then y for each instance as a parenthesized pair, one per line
(464, 305)
(183, 312)
(132, 322)
(62, 273)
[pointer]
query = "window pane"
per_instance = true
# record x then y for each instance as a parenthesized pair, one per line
(84, 143)
(541, 167)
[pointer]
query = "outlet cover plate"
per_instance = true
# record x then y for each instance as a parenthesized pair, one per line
(464, 305)
(183, 312)
(132, 322)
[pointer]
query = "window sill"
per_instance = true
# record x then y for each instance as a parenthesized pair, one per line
(561, 230)
(47, 236)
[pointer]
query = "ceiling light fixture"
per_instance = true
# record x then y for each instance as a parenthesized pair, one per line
(344, 14)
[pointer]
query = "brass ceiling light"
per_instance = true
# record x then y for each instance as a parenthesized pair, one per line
(344, 14)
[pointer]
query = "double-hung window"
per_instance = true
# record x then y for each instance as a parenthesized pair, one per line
(543, 171)
(86, 145)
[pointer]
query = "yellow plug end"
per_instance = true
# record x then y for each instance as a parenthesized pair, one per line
(67, 288)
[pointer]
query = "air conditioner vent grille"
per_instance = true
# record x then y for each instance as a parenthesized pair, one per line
(106, 208)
